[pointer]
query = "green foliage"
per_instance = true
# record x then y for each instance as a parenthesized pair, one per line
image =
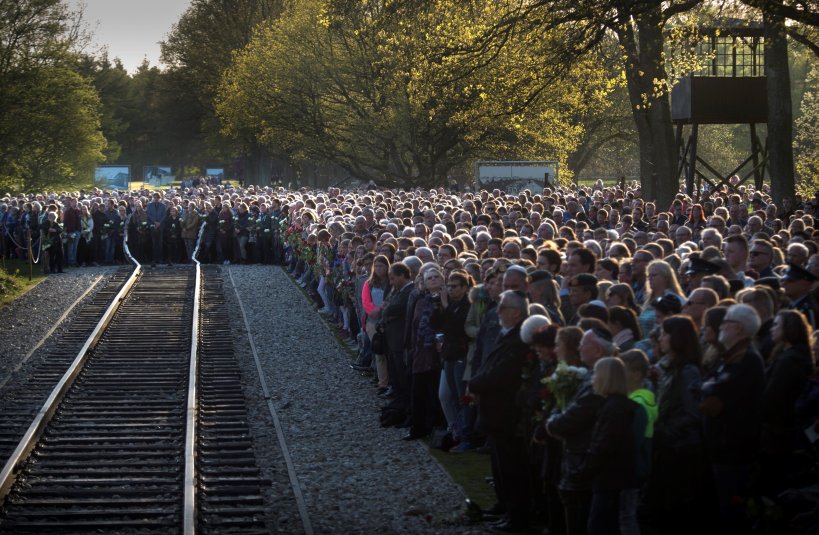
(385, 89)
(806, 148)
(49, 113)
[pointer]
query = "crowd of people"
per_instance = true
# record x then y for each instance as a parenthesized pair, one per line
(629, 368)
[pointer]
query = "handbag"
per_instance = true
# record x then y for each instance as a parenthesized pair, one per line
(378, 344)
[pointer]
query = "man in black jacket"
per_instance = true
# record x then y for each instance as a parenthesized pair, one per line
(394, 317)
(496, 386)
(732, 406)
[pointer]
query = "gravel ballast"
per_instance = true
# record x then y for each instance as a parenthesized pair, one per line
(30, 317)
(356, 477)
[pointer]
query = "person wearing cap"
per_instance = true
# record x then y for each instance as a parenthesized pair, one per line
(798, 283)
(731, 406)
(582, 290)
(697, 269)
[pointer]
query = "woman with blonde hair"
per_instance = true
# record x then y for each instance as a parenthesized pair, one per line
(610, 462)
(661, 280)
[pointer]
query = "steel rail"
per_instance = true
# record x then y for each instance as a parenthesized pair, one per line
(189, 506)
(9, 473)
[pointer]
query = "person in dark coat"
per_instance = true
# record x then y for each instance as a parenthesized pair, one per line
(610, 462)
(786, 377)
(172, 235)
(732, 403)
(674, 491)
(450, 320)
(425, 358)
(496, 385)
(393, 318)
(52, 239)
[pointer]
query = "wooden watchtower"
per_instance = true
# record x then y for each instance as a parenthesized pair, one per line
(730, 89)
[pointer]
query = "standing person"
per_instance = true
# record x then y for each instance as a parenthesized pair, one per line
(52, 239)
(156, 215)
(786, 377)
(393, 318)
(172, 235)
(85, 247)
(574, 427)
(98, 231)
(224, 245)
(637, 372)
(119, 253)
(496, 385)
(138, 233)
(732, 403)
(675, 485)
(450, 321)
(190, 230)
(110, 231)
(610, 462)
(373, 292)
(425, 356)
(241, 224)
(207, 249)
(73, 227)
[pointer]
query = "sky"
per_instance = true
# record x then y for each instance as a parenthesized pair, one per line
(130, 29)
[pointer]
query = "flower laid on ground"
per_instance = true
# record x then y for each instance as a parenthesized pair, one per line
(563, 383)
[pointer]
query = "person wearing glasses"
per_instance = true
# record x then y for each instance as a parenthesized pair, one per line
(496, 385)
(760, 258)
(731, 407)
(450, 321)
(700, 300)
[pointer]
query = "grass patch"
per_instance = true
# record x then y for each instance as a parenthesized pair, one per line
(14, 279)
(469, 470)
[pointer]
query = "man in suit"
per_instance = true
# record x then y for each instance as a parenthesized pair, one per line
(394, 317)
(496, 386)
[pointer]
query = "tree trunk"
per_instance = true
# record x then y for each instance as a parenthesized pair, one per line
(651, 107)
(780, 115)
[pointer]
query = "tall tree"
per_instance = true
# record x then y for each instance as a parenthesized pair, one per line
(49, 114)
(381, 89)
(198, 50)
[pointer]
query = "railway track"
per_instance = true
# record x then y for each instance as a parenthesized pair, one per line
(146, 431)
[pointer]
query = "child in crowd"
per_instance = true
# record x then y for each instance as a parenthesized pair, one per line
(637, 370)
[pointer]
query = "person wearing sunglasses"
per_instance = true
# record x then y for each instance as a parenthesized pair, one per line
(760, 258)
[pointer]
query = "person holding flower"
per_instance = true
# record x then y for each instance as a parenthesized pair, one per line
(224, 244)
(574, 426)
(172, 234)
(84, 247)
(110, 231)
(52, 240)
(138, 233)
(157, 211)
(538, 401)
(190, 230)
